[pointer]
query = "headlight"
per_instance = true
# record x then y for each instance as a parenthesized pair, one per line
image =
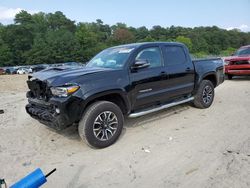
(226, 62)
(64, 91)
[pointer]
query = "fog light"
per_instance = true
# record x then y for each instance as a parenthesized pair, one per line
(57, 110)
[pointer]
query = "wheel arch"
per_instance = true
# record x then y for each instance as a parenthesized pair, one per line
(211, 76)
(117, 97)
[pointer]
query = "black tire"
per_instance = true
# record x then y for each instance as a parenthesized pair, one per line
(229, 77)
(95, 120)
(205, 95)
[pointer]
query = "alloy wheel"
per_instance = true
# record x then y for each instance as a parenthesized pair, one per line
(105, 125)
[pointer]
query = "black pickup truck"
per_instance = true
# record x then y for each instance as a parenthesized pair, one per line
(129, 80)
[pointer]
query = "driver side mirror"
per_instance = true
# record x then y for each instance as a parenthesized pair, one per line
(140, 64)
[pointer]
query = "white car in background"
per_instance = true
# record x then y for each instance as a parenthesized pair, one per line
(24, 71)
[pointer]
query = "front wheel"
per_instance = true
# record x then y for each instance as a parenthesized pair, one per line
(229, 77)
(205, 95)
(101, 124)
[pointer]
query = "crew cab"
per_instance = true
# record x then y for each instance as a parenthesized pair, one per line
(239, 63)
(124, 81)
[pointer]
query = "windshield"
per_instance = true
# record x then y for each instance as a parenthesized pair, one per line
(242, 52)
(114, 58)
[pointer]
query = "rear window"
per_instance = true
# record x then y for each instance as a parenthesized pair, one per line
(175, 55)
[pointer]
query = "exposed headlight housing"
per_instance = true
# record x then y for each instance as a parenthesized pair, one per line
(226, 62)
(64, 91)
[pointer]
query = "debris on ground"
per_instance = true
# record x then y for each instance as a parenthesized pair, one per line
(191, 171)
(27, 163)
(1, 111)
(145, 150)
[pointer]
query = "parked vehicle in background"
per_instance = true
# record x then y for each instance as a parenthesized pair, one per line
(239, 63)
(22, 71)
(73, 64)
(37, 68)
(11, 70)
(29, 69)
(128, 80)
(2, 71)
(68, 64)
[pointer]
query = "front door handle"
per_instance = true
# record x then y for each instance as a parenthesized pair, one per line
(188, 69)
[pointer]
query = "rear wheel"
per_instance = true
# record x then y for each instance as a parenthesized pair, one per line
(101, 124)
(205, 95)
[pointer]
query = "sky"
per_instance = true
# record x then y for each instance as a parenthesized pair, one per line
(226, 14)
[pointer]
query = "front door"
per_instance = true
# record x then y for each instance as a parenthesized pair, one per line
(148, 83)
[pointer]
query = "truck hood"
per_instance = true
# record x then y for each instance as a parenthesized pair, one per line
(61, 75)
(238, 58)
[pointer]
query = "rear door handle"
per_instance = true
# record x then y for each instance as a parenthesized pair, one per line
(163, 74)
(188, 69)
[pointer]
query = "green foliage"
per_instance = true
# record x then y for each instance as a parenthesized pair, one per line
(54, 38)
(92, 38)
(58, 21)
(186, 41)
(56, 47)
(123, 36)
(228, 52)
(200, 55)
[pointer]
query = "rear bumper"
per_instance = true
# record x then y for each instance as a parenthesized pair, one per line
(56, 113)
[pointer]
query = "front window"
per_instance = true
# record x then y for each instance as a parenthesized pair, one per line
(152, 55)
(242, 52)
(114, 58)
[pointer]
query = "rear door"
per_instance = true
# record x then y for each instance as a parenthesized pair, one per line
(180, 70)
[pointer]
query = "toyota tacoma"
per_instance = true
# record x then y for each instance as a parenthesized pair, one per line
(123, 81)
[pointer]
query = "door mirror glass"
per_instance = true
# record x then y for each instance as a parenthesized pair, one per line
(140, 64)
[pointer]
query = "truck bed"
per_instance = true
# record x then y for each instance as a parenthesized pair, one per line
(203, 66)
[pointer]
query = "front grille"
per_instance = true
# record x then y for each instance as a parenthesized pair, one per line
(38, 89)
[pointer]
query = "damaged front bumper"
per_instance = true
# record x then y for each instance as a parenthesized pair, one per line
(57, 113)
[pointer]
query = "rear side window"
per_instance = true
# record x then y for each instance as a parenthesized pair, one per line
(175, 55)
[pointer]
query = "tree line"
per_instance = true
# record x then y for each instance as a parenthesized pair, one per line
(53, 38)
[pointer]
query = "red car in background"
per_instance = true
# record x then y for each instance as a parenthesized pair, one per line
(2, 71)
(239, 63)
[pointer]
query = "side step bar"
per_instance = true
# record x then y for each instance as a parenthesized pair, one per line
(141, 113)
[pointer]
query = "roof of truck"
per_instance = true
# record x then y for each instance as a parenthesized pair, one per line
(135, 45)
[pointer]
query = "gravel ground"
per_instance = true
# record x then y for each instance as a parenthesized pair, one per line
(178, 147)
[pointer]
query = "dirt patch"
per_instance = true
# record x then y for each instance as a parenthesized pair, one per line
(179, 147)
(13, 83)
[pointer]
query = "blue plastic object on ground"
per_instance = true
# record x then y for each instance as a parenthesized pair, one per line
(33, 180)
